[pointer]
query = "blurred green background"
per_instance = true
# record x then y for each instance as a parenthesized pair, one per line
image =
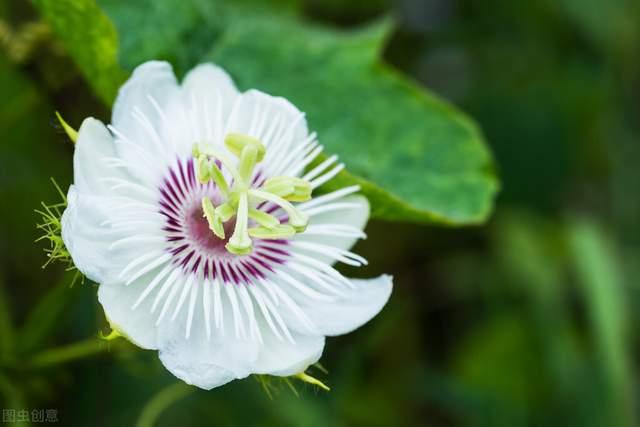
(527, 320)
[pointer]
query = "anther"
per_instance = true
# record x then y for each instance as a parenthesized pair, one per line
(289, 188)
(236, 142)
(213, 218)
(280, 190)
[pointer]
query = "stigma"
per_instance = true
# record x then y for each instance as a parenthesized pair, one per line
(241, 200)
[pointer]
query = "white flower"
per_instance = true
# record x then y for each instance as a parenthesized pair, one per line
(181, 210)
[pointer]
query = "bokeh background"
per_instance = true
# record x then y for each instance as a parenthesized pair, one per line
(530, 319)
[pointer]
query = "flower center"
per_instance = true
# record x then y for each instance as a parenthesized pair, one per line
(197, 228)
(240, 199)
(192, 244)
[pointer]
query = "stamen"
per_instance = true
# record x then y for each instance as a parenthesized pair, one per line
(204, 173)
(236, 143)
(289, 188)
(225, 211)
(264, 219)
(208, 170)
(240, 243)
(248, 160)
(280, 190)
(297, 219)
(281, 231)
(209, 151)
(213, 218)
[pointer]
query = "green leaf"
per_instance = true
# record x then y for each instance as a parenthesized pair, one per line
(600, 275)
(416, 157)
(91, 40)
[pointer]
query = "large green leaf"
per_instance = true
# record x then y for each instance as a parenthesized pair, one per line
(416, 157)
(91, 40)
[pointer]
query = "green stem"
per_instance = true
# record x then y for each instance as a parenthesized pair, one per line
(70, 353)
(161, 401)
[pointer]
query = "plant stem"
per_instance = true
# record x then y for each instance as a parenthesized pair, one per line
(161, 401)
(70, 353)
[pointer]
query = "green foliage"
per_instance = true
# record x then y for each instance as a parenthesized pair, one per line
(416, 157)
(600, 276)
(90, 38)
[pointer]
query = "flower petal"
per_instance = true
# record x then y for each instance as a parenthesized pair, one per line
(354, 216)
(88, 234)
(201, 361)
(282, 358)
(93, 151)
(210, 94)
(137, 324)
(139, 114)
(352, 309)
(277, 123)
(87, 251)
(83, 237)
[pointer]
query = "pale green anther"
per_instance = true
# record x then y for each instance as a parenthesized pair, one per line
(225, 211)
(71, 132)
(211, 152)
(203, 169)
(195, 151)
(215, 223)
(240, 242)
(297, 219)
(280, 190)
(279, 186)
(236, 142)
(289, 188)
(208, 170)
(216, 174)
(302, 191)
(264, 219)
(248, 160)
(281, 231)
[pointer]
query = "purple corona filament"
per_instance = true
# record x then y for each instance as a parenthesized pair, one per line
(194, 247)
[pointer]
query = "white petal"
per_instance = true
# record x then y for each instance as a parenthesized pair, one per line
(352, 309)
(89, 234)
(139, 114)
(137, 324)
(280, 357)
(87, 250)
(201, 361)
(210, 95)
(277, 123)
(82, 235)
(355, 217)
(94, 150)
